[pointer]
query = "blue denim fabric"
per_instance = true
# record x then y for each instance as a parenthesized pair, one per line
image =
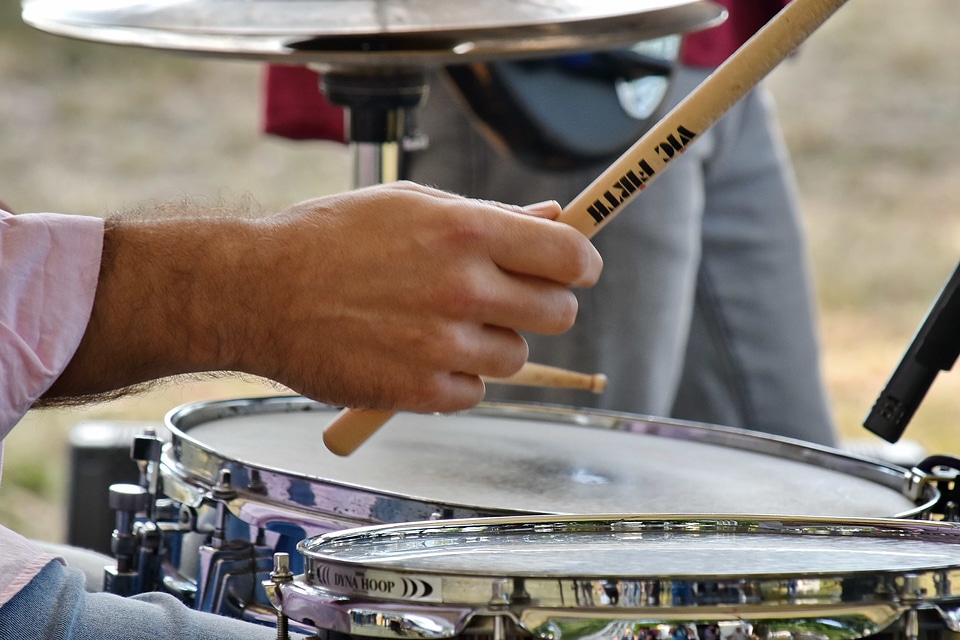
(55, 606)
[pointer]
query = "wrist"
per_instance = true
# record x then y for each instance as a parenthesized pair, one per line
(169, 301)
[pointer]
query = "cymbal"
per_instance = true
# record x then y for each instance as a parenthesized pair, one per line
(352, 33)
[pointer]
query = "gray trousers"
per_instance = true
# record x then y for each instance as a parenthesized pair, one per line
(704, 309)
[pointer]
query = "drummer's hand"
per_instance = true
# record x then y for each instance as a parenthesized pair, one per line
(394, 297)
(401, 296)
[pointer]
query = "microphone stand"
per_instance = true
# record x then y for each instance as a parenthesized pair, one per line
(935, 348)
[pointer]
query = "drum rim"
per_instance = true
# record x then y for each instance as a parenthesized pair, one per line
(191, 482)
(700, 525)
(442, 604)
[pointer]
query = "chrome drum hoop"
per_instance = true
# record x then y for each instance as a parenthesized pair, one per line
(335, 497)
(578, 576)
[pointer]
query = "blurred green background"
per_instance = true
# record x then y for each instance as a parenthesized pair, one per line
(870, 108)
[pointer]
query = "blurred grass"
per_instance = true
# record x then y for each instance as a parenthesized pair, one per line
(869, 107)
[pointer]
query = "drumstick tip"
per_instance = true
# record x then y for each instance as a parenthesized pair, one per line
(351, 428)
(598, 383)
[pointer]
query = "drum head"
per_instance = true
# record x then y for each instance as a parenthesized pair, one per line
(501, 459)
(613, 576)
(631, 548)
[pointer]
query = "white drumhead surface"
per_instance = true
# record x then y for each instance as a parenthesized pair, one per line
(535, 466)
(648, 554)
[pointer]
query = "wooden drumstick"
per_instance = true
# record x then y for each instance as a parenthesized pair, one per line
(541, 375)
(639, 165)
(351, 427)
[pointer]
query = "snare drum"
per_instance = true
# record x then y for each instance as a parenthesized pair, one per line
(255, 474)
(624, 577)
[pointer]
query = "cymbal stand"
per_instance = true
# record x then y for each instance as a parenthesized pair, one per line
(382, 107)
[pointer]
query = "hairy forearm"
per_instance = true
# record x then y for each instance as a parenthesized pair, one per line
(397, 296)
(168, 302)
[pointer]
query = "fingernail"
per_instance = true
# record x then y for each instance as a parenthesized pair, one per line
(546, 205)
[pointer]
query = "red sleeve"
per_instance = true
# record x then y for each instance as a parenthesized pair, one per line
(295, 108)
(710, 47)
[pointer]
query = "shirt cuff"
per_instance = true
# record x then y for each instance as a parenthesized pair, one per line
(49, 266)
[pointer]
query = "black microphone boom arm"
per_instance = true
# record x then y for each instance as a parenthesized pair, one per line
(935, 348)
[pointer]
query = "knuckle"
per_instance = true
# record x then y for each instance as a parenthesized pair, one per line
(465, 296)
(565, 314)
(447, 347)
(428, 394)
(463, 231)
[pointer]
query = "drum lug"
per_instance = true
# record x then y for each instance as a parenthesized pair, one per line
(222, 493)
(145, 452)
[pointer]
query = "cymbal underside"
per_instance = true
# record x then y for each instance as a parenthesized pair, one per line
(372, 32)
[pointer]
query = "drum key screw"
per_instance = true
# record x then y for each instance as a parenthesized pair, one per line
(221, 493)
(950, 512)
(223, 490)
(145, 452)
(910, 590)
(280, 576)
(501, 596)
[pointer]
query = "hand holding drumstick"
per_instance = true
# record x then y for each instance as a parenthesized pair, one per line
(644, 161)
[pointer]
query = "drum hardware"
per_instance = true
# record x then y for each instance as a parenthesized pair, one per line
(99, 457)
(280, 576)
(137, 542)
(127, 500)
(382, 121)
(222, 492)
(943, 471)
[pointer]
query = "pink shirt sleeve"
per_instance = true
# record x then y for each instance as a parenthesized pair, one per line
(49, 264)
